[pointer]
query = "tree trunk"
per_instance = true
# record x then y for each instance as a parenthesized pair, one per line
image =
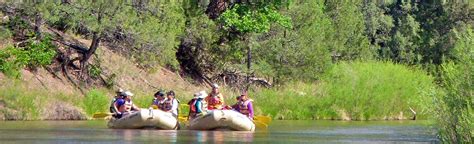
(89, 53)
(37, 27)
(249, 64)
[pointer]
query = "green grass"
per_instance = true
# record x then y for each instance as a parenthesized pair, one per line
(358, 90)
(96, 101)
(29, 102)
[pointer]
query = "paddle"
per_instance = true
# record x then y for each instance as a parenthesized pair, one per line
(101, 115)
(263, 119)
(260, 125)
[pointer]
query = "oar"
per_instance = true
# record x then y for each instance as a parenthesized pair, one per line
(264, 119)
(101, 115)
(260, 125)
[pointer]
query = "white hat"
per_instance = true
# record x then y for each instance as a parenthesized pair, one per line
(128, 93)
(202, 94)
(214, 85)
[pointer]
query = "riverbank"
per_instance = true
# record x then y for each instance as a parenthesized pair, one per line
(349, 91)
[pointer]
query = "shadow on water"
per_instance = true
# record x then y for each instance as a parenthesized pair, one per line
(278, 132)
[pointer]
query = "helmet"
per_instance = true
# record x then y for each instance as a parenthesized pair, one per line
(214, 85)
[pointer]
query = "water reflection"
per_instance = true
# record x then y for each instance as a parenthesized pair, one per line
(279, 132)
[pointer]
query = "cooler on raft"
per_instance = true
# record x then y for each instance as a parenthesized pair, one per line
(145, 118)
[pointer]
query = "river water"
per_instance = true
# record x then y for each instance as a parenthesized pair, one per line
(278, 132)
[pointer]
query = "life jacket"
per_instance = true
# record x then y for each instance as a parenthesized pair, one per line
(192, 107)
(243, 107)
(214, 102)
(168, 104)
(127, 107)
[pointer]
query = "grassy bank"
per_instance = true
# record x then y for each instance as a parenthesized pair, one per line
(352, 91)
(19, 101)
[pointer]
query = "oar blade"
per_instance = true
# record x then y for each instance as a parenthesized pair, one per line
(264, 119)
(260, 125)
(101, 115)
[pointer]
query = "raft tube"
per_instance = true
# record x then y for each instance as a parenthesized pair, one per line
(222, 119)
(145, 118)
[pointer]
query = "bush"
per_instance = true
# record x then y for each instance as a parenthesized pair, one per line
(454, 105)
(364, 90)
(95, 101)
(357, 91)
(35, 54)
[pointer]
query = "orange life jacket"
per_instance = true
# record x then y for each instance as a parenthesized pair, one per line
(214, 102)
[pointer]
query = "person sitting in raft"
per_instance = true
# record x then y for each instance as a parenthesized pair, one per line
(215, 100)
(112, 109)
(198, 108)
(125, 105)
(236, 105)
(191, 103)
(171, 104)
(158, 100)
(245, 106)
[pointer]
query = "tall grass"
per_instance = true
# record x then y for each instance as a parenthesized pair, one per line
(22, 102)
(357, 91)
(96, 101)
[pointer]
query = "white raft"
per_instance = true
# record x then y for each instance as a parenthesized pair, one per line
(145, 118)
(222, 119)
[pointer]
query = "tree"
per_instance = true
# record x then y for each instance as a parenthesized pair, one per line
(301, 53)
(245, 18)
(349, 41)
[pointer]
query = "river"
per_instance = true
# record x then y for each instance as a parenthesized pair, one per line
(278, 132)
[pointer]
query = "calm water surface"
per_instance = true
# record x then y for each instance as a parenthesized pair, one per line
(278, 132)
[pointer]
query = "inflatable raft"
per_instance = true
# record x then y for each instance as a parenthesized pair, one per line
(222, 119)
(145, 118)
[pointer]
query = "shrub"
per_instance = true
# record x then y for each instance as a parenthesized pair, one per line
(354, 90)
(35, 54)
(364, 90)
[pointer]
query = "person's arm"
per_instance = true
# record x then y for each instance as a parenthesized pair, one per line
(117, 105)
(135, 107)
(175, 105)
(250, 107)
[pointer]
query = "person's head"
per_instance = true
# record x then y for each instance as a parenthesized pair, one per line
(170, 94)
(237, 98)
(215, 88)
(244, 96)
(160, 94)
(202, 95)
(119, 92)
(127, 95)
(196, 95)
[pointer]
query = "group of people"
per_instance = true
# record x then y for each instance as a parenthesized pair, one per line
(201, 103)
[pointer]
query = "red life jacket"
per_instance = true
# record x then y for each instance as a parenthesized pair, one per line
(192, 107)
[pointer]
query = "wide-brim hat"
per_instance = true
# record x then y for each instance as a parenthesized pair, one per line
(128, 93)
(202, 94)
